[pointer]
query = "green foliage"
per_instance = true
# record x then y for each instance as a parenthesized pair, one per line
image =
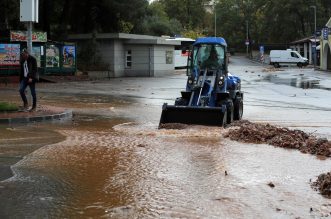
(192, 34)
(9, 15)
(189, 12)
(125, 27)
(269, 21)
(6, 107)
(158, 23)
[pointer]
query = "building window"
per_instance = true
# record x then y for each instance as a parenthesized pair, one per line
(128, 59)
(169, 57)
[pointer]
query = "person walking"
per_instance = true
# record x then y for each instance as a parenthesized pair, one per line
(28, 77)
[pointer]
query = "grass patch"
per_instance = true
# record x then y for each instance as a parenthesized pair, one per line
(5, 107)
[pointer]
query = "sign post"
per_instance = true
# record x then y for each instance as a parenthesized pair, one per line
(29, 13)
(262, 54)
(247, 44)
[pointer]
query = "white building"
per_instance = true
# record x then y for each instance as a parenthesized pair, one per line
(131, 54)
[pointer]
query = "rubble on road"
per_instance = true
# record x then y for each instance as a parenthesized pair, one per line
(280, 137)
(323, 184)
(246, 131)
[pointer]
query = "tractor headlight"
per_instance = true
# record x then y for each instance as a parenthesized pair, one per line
(221, 81)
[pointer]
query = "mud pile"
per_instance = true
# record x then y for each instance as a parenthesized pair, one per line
(323, 184)
(280, 137)
(246, 131)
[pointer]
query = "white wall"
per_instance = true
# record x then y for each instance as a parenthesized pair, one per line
(159, 56)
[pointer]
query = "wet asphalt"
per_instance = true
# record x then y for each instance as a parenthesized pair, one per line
(111, 161)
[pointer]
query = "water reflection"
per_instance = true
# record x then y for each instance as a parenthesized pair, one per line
(300, 82)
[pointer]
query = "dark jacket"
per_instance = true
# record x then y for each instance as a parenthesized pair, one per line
(32, 66)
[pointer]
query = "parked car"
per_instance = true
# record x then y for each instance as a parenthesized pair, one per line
(288, 56)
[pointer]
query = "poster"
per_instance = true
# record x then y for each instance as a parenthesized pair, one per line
(52, 56)
(36, 52)
(68, 56)
(9, 54)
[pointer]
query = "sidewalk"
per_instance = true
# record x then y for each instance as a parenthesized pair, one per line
(43, 113)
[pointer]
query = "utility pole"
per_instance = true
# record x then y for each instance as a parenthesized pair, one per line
(315, 45)
(247, 40)
(29, 37)
(215, 16)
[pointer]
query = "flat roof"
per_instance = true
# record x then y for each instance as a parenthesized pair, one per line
(306, 40)
(129, 38)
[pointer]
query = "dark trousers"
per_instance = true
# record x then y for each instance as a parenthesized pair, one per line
(23, 84)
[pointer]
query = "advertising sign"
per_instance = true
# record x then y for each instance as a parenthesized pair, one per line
(29, 10)
(325, 33)
(52, 56)
(261, 49)
(21, 36)
(36, 52)
(9, 54)
(68, 56)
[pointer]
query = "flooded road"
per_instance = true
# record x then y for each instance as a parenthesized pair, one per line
(111, 161)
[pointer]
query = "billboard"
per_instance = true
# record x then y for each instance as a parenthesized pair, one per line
(21, 36)
(37, 52)
(52, 56)
(9, 54)
(68, 56)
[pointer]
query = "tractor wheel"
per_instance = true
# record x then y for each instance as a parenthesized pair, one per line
(230, 110)
(238, 108)
(181, 102)
(225, 118)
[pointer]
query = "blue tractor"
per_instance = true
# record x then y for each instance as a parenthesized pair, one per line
(213, 96)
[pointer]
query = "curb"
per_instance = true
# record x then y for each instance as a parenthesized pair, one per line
(65, 115)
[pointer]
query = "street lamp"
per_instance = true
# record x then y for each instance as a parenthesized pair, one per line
(314, 7)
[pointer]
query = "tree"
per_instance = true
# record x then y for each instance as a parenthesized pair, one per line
(189, 13)
(158, 23)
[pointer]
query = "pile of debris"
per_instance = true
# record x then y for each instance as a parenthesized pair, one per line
(246, 131)
(280, 137)
(323, 184)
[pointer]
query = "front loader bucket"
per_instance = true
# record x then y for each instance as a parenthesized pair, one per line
(213, 116)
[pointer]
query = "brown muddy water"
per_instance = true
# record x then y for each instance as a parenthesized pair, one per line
(102, 165)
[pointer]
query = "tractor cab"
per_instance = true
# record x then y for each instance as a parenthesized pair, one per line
(208, 56)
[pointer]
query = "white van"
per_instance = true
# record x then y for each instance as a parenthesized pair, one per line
(287, 57)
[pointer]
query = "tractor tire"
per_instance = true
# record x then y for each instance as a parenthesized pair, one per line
(230, 110)
(225, 118)
(181, 102)
(238, 108)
